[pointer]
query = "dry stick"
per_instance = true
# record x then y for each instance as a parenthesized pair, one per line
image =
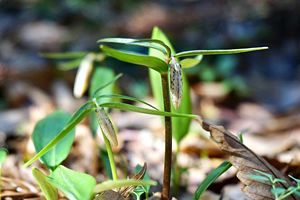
(168, 139)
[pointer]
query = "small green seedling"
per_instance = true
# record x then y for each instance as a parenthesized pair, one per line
(279, 193)
(170, 88)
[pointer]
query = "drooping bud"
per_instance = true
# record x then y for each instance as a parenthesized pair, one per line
(83, 75)
(175, 82)
(106, 126)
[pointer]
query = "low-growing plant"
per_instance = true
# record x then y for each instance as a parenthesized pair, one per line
(54, 135)
(279, 193)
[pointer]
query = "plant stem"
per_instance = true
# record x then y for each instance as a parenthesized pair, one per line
(168, 139)
(111, 158)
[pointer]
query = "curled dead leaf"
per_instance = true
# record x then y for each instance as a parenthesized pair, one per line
(246, 162)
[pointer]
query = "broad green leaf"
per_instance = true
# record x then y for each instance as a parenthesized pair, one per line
(65, 55)
(191, 62)
(135, 58)
(150, 43)
(180, 126)
(49, 191)
(109, 185)
(76, 118)
(210, 178)
(47, 129)
(75, 185)
(3, 155)
(217, 51)
(89, 106)
(101, 77)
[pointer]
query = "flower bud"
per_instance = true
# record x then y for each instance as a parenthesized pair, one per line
(106, 126)
(83, 75)
(175, 82)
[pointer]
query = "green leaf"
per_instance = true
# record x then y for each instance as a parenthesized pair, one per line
(278, 191)
(259, 178)
(191, 62)
(142, 189)
(3, 155)
(65, 55)
(75, 185)
(150, 43)
(101, 77)
(68, 65)
(123, 97)
(217, 52)
(49, 191)
(109, 185)
(89, 106)
(210, 178)
(128, 107)
(269, 176)
(76, 118)
(138, 192)
(138, 59)
(180, 126)
(47, 129)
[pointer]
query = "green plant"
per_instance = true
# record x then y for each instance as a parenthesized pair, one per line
(168, 80)
(3, 155)
(160, 61)
(279, 193)
(210, 178)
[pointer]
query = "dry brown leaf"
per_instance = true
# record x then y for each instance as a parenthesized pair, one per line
(126, 191)
(246, 161)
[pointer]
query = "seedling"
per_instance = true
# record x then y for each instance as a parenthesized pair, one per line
(168, 80)
(279, 193)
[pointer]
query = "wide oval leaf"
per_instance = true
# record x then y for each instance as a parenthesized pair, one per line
(76, 118)
(75, 185)
(46, 130)
(135, 58)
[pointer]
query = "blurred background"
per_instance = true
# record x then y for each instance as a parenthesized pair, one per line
(242, 91)
(29, 27)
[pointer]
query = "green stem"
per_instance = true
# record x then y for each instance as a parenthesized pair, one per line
(110, 158)
(168, 139)
(109, 151)
(284, 196)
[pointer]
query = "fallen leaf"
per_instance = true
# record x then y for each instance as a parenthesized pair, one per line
(246, 161)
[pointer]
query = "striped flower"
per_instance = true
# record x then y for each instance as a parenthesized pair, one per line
(175, 82)
(106, 126)
(83, 75)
